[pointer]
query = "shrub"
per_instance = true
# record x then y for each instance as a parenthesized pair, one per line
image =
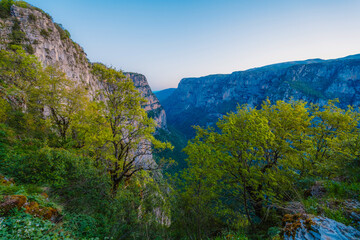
(5, 6)
(337, 215)
(44, 33)
(342, 189)
(17, 36)
(64, 34)
(45, 166)
(32, 17)
(22, 4)
(82, 226)
(29, 48)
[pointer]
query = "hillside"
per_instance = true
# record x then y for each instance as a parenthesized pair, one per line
(51, 43)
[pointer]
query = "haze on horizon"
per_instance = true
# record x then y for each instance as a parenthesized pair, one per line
(170, 40)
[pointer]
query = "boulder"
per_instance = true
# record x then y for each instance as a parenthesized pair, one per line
(306, 227)
(11, 202)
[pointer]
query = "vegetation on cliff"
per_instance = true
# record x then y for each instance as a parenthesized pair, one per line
(75, 166)
(81, 151)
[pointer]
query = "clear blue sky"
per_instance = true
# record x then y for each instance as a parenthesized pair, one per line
(167, 40)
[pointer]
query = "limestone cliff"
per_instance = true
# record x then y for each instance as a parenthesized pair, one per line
(201, 101)
(153, 107)
(39, 35)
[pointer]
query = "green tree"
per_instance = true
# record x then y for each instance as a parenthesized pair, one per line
(197, 210)
(18, 72)
(124, 138)
(61, 99)
(335, 137)
(256, 153)
(5, 6)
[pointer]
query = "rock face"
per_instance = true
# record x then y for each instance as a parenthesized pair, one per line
(153, 106)
(201, 101)
(164, 94)
(51, 44)
(324, 229)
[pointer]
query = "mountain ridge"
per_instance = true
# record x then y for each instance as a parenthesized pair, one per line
(201, 101)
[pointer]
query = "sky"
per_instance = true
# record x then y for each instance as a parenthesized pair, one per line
(167, 40)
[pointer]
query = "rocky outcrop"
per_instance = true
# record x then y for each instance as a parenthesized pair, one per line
(153, 106)
(319, 228)
(47, 40)
(201, 101)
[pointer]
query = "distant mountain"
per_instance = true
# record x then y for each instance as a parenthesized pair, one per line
(164, 94)
(201, 101)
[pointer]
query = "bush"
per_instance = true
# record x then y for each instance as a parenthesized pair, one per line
(343, 189)
(32, 17)
(45, 166)
(5, 6)
(29, 49)
(22, 4)
(64, 34)
(82, 226)
(17, 36)
(44, 33)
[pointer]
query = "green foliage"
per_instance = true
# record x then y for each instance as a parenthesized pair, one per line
(61, 97)
(123, 125)
(81, 225)
(321, 207)
(28, 190)
(52, 135)
(342, 189)
(309, 91)
(44, 33)
(4, 109)
(5, 6)
(64, 34)
(232, 236)
(46, 165)
(29, 49)
(256, 159)
(86, 152)
(17, 35)
(25, 226)
(32, 17)
(178, 140)
(22, 4)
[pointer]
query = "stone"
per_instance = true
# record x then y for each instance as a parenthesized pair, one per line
(11, 202)
(317, 228)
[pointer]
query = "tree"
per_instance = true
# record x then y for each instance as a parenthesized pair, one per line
(60, 98)
(197, 207)
(257, 154)
(335, 137)
(18, 72)
(125, 137)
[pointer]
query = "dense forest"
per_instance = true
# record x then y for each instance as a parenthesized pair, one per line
(75, 165)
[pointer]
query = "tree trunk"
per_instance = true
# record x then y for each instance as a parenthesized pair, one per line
(115, 185)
